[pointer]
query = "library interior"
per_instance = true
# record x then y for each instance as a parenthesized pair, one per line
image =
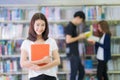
(15, 17)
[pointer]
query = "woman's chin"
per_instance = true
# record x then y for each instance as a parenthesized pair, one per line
(39, 33)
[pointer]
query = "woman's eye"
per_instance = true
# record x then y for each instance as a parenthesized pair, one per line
(43, 25)
(38, 25)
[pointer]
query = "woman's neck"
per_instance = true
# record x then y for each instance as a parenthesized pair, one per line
(39, 38)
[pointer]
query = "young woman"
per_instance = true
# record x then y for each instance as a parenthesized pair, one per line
(102, 49)
(38, 34)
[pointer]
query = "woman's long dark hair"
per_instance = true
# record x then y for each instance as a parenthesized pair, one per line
(32, 34)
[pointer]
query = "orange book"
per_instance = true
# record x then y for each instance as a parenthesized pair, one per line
(39, 51)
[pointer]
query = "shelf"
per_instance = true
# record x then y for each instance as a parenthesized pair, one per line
(61, 38)
(14, 73)
(28, 21)
(115, 55)
(57, 38)
(15, 21)
(58, 21)
(63, 72)
(10, 56)
(87, 71)
(18, 55)
(113, 72)
(90, 55)
(26, 73)
(61, 3)
(115, 37)
(90, 71)
(93, 55)
(62, 54)
(13, 39)
(55, 21)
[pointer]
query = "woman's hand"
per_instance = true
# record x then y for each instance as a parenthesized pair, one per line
(91, 41)
(35, 67)
(47, 59)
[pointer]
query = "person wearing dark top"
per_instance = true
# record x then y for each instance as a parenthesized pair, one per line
(102, 49)
(72, 39)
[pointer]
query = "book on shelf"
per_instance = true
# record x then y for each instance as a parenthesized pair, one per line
(90, 77)
(25, 31)
(62, 45)
(10, 65)
(112, 12)
(66, 66)
(1, 66)
(11, 14)
(31, 12)
(6, 47)
(81, 48)
(88, 64)
(114, 77)
(10, 47)
(0, 32)
(94, 12)
(11, 77)
(62, 77)
(113, 30)
(118, 30)
(24, 77)
(89, 49)
(115, 47)
(17, 45)
(52, 13)
(57, 13)
(113, 65)
(56, 31)
(11, 31)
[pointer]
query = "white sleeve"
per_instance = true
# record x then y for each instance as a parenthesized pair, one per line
(54, 45)
(24, 45)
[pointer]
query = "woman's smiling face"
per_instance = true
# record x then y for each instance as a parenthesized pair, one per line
(39, 26)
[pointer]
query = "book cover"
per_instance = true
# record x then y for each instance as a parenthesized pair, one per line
(39, 51)
(89, 33)
(94, 38)
(93, 33)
